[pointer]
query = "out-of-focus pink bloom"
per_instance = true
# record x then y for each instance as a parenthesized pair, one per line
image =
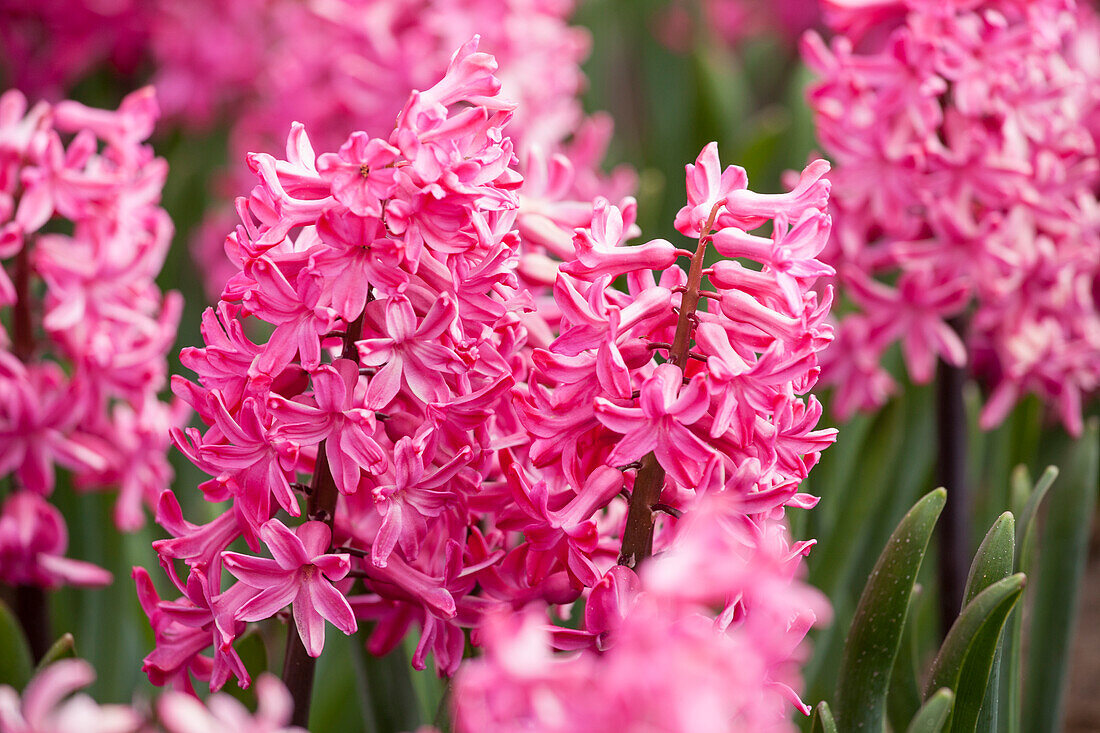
(183, 713)
(33, 540)
(300, 573)
(82, 357)
(709, 639)
(965, 144)
(47, 47)
(48, 704)
(268, 64)
(684, 24)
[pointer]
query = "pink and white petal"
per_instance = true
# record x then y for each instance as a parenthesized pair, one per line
(74, 572)
(618, 418)
(315, 537)
(634, 445)
(388, 534)
(258, 572)
(332, 605)
(182, 713)
(268, 602)
(286, 547)
(311, 625)
(334, 566)
(384, 385)
(329, 388)
(346, 471)
(51, 686)
(275, 703)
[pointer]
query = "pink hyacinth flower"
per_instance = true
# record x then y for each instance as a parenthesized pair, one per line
(345, 429)
(659, 425)
(33, 539)
(300, 573)
(46, 706)
(182, 713)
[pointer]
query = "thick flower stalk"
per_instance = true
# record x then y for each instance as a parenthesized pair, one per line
(82, 354)
(964, 139)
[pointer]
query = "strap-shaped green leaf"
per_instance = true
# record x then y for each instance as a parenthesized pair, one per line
(933, 714)
(994, 559)
(1063, 552)
(1026, 500)
(992, 562)
(904, 697)
(16, 663)
(965, 659)
(1025, 532)
(823, 719)
(879, 623)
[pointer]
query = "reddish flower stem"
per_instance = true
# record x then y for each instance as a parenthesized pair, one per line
(298, 666)
(32, 606)
(646, 496)
(954, 525)
(22, 326)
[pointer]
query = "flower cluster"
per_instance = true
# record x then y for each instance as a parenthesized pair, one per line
(668, 377)
(47, 46)
(272, 63)
(466, 439)
(385, 272)
(705, 638)
(48, 704)
(965, 195)
(82, 353)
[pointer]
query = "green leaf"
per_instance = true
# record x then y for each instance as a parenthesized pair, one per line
(965, 659)
(1025, 532)
(1026, 500)
(992, 562)
(876, 631)
(933, 714)
(386, 684)
(1063, 552)
(335, 692)
(823, 719)
(904, 698)
(16, 664)
(63, 648)
(994, 559)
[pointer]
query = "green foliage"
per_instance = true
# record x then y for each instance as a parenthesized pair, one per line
(932, 716)
(63, 648)
(15, 654)
(993, 562)
(876, 633)
(965, 660)
(1061, 565)
(823, 719)
(965, 689)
